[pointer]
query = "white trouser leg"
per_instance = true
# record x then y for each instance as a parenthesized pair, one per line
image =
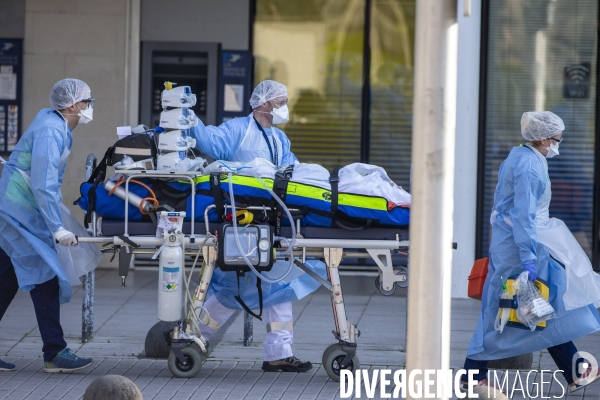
(218, 312)
(278, 344)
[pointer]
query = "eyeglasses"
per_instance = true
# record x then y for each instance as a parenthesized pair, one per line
(90, 102)
(557, 140)
(279, 103)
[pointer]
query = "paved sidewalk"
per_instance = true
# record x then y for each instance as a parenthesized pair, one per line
(124, 315)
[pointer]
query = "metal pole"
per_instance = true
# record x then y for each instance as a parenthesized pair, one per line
(365, 123)
(248, 327)
(89, 279)
(87, 307)
(434, 121)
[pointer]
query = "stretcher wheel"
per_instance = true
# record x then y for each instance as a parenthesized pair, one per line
(379, 285)
(333, 357)
(195, 358)
(403, 272)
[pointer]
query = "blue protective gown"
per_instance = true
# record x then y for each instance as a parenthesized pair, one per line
(522, 180)
(224, 287)
(240, 139)
(29, 213)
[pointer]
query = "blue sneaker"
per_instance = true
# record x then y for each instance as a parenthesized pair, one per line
(67, 361)
(4, 366)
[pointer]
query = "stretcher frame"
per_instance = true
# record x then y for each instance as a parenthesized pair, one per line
(341, 355)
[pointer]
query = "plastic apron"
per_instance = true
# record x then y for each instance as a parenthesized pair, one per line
(486, 343)
(297, 285)
(81, 259)
(583, 284)
(254, 145)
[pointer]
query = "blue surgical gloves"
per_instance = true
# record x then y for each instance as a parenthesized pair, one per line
(529, 267)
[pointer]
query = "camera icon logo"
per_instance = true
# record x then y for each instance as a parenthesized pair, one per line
(586, 368)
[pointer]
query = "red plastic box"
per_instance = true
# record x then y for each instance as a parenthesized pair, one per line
(477, 278)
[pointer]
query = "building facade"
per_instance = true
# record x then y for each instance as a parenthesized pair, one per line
(348, 65)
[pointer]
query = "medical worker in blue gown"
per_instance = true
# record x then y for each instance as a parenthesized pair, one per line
(30, 219)
(244, 139)
(523, 239)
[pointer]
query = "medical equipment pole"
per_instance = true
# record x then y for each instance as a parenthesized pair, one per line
(432, 187)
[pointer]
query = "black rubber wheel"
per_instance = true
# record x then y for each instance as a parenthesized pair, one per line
(379, 285)
(403, 272)
(194, 357)
(328, 350)
(332, 359)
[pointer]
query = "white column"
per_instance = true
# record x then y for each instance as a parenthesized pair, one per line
(467, 133)
(434, 123)
(132, 62)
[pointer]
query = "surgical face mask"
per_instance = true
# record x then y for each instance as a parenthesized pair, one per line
(85, 116)
(552, 150)
(280, 115)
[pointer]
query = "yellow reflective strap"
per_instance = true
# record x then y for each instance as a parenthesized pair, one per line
(315, 192)
(197, 179)
(308, 191)
(248, 181)
(345, 199)
(303, 190)
(357, 200)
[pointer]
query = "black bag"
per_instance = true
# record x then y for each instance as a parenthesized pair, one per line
(138, 146)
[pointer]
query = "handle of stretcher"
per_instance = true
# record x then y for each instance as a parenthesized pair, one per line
(454, 245)
(76, 239)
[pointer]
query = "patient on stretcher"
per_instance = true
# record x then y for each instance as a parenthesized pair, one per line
(355, 197)
(355, 178)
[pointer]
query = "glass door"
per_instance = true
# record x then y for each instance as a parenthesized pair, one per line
(542, 55)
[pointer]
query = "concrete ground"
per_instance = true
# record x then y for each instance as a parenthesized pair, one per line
(123, 316)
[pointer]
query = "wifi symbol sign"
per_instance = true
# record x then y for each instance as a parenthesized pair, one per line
(577, 81)
(578, 73)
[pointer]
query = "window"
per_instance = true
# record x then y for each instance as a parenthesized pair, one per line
(542, 56)
(392, 49)
(317, 49)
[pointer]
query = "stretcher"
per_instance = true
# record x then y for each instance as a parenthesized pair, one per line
(331, 245)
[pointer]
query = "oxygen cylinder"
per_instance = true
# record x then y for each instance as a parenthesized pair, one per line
(170, 281)
(132, 198)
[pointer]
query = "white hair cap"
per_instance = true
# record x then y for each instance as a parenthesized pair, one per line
(67, 92)
(266, 91)
(540, 125)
